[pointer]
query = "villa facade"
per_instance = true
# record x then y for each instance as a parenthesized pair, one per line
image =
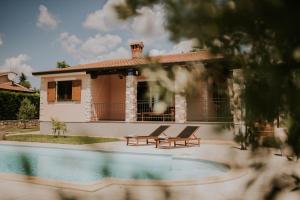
(115, 94)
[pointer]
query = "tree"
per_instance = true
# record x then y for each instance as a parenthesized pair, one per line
(259, 36)
(26, 112)
(23, 81)
(62, 64)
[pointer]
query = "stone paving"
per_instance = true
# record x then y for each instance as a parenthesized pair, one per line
(222, 151)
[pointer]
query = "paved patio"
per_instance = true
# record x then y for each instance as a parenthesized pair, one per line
(211, 150)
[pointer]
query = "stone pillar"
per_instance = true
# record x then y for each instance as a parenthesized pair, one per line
(131, 97)
(180, 108)
(235, 87)
(88, 97)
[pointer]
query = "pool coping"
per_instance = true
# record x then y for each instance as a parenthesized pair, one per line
(232, 174)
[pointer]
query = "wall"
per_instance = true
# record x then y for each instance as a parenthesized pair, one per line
(4, 79)
(211, 131)
(197, 107)
(66, 111)
(17, 123)
(108, 96)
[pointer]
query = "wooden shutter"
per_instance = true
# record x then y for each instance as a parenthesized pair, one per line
(51, 91)
(76, 90)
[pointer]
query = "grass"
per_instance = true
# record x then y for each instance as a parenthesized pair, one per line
(58, 140)
(19, 130)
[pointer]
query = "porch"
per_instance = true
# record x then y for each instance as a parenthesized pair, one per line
(116, 97)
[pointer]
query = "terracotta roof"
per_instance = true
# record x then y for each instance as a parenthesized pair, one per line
(3, 73)
(202, 55)
(14, 87)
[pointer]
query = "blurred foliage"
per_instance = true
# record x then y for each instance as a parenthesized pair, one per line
(10, 103)
(259, 36)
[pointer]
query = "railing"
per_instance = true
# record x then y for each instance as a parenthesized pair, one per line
(206, 110)
(210, 110)
(108, 111)
(145, 112)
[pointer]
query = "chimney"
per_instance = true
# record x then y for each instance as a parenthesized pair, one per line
(137, 49)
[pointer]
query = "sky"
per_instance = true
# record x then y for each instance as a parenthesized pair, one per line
(35, 34)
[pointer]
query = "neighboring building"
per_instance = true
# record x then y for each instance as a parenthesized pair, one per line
(109, 97)
(10, 85)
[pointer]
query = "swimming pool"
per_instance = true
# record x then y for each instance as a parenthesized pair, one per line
(85, 166)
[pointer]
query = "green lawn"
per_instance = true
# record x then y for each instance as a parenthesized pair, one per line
(19, 130)
(58, 140)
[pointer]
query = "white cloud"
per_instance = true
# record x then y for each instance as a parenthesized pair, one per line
(182, 47)
(156, 52)
(104, 19)
(150, 22)
(17, 64)
(70, 43)
(46, 20)
(121, 52)
(100, 43)
(94, 48)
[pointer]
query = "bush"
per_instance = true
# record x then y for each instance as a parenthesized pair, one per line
(10, 103)
(270, 142)
(58, 127)
(26, 112)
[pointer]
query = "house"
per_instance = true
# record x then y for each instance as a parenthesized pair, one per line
(9, 85)
(114, 96)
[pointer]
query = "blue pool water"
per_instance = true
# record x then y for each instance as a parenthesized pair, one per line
(82, 166)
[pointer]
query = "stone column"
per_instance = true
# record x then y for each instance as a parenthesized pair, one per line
(235, 86)
(180, 95)
(88, 97)
(180, 108)
(131, 97)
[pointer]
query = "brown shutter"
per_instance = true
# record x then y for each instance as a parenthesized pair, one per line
(76, 90)
(51, 91)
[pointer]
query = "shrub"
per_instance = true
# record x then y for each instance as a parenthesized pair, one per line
(270, 142)
(58, 127)
(10, 103)
(26, 111)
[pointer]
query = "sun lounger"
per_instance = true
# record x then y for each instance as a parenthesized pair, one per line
(187, 136)
(154, 135)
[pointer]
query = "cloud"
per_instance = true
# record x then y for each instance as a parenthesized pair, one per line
(182, 47)
(104, 19)
(46, 20)
(120, 52)
(150, 22)
(94, 48)
(17, 64)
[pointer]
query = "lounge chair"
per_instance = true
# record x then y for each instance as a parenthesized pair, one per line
(187, 135)
(154, 135)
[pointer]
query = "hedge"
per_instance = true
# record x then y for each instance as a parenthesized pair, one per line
(10, 103)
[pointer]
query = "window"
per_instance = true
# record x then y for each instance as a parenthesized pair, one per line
(64, 91)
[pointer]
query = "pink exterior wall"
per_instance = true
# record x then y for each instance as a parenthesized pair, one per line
(66, 111)
(108, 98)
(3, 79)
(198, 108)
